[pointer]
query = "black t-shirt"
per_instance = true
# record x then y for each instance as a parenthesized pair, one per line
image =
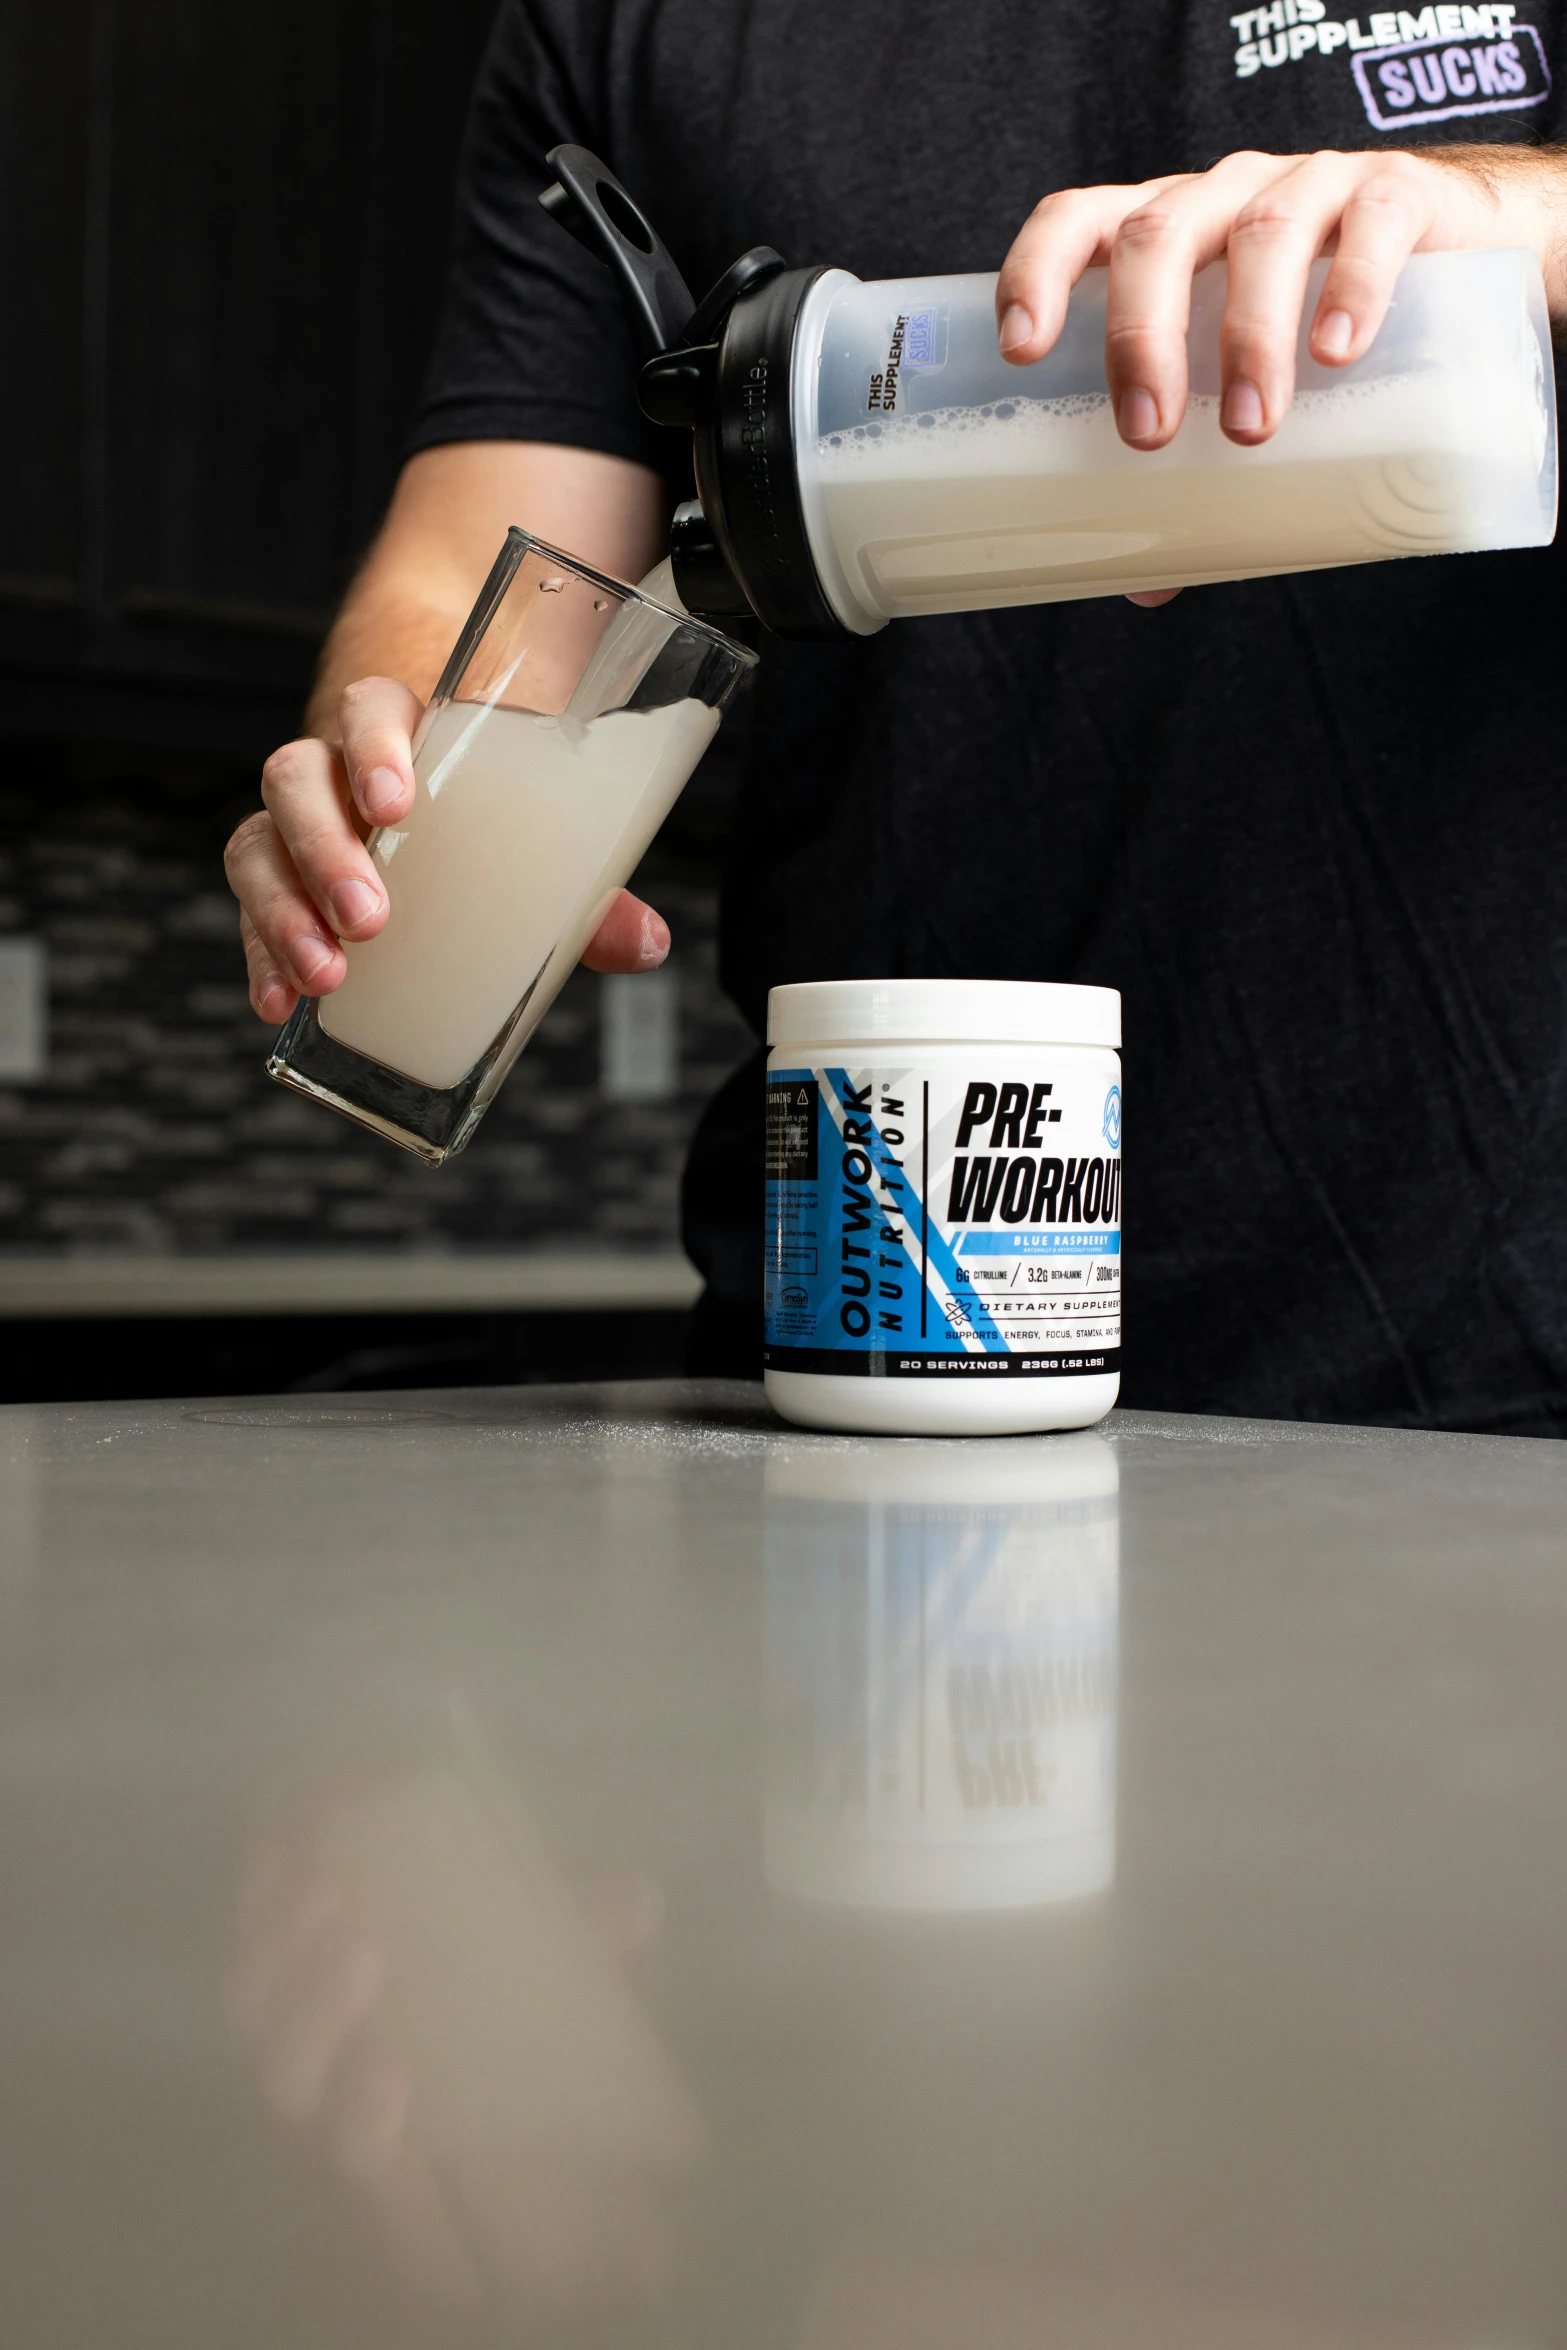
(1315, 829)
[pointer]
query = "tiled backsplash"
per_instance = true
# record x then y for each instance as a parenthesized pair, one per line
(155, 1128)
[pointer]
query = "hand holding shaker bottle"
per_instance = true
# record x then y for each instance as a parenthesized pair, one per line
(864, 453)
(569, 716)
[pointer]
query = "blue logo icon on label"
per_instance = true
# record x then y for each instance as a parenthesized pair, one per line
(1112, 1124)
(925, 340)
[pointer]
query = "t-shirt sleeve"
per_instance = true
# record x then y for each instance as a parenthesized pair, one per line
(533, 343)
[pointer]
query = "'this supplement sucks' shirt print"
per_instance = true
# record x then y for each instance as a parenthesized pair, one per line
(1407, 66)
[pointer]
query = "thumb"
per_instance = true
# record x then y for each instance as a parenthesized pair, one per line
(631, 937)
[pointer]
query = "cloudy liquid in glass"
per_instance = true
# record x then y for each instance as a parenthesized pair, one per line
(522, 830)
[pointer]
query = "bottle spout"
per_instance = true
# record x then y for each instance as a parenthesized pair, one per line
(703, 579)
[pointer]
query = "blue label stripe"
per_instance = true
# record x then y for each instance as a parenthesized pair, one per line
(821, 1282)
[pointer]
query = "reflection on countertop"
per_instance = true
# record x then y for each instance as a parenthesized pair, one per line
(884, 2297)
(941, 1661)
(598, 1866)
(417, 1986)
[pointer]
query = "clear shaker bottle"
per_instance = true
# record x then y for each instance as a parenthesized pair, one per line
(863, 452)
(936, 477)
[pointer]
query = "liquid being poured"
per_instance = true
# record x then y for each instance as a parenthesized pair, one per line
(660, 585)
(523, 828)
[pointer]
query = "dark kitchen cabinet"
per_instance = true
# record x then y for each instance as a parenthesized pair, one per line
(222, 233)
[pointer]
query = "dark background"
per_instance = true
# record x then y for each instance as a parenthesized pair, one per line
(222, 233)
(222, 240)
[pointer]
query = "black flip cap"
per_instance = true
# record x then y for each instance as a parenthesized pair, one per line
(722, 370)
(590, 204)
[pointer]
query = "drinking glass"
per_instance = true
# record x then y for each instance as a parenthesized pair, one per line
(569, 716)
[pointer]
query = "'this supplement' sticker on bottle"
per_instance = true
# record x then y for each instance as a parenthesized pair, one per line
(962, 1225)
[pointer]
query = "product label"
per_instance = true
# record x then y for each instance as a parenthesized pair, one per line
(965, 1223)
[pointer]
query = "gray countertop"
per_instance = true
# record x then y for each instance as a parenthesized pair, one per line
(337, 1281)
(596, 1865)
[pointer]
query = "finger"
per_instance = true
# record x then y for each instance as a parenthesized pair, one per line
(263, 877)
(378, 717)
(275, 1932)
(272, 995)
(631, 937)
(369, 2118)
(1276, 238)
(1151, 598)
(305, 791)
(1061, 238)
(1394, 202)
(1158, 247)
(308, 2031)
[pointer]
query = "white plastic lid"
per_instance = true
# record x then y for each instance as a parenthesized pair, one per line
(941, 1011)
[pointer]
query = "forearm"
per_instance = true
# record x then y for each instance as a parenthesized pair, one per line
(449, 513)
(1527, 186)
(383, 630)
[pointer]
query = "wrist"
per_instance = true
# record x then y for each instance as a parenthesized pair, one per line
(1525, 190)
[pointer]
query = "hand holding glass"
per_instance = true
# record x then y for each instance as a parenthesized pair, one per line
(572, 711)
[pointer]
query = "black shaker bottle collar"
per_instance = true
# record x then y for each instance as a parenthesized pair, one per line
(723, 369)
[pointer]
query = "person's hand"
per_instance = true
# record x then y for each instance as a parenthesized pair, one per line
(305, 880)
(1270, 216)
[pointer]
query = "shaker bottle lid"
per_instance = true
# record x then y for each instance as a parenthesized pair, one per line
(962, 1011)
(723, 368)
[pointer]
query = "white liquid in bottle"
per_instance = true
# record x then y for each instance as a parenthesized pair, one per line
(1041, 501)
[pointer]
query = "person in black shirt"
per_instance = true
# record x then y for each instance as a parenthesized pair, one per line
(1313, 828)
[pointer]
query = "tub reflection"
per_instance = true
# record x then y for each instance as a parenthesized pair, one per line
(941, 1672)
